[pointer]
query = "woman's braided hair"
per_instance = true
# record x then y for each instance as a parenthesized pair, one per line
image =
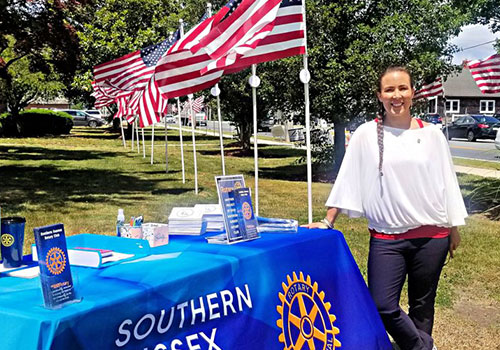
(380, 119)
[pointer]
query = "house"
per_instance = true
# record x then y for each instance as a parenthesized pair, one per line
(464, 97)
(55, 103)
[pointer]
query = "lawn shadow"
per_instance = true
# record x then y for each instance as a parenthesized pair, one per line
(25, 153)
(296, 172)
(54, 189)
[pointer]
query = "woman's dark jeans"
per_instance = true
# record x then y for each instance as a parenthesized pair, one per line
(389, 262)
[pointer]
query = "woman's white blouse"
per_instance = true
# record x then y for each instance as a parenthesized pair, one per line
(418, 187)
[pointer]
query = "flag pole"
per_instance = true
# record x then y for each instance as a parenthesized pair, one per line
(152, 142)
(181, 34)
(193, 123)
(305, 77)
(254, 82)
(133, 134)
(215, 91)
(123, 133)
(444, 111)
(180, 138)
(137, 134)
(166, 141)
(143, 144)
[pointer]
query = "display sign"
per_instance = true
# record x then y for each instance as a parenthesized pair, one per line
(239, 220)
(55, 273)
(246, 216)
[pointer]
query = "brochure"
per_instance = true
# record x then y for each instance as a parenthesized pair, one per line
(246, 217)
(239, 220)
(55, 272)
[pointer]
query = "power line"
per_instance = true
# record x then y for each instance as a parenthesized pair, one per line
(471, 47)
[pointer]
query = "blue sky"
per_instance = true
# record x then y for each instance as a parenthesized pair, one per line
(473, 35)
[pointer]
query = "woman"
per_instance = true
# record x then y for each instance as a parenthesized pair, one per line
(398, 173)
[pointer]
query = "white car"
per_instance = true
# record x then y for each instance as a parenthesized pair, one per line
(497, 139)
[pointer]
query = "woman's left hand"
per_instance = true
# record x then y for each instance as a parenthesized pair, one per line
(454, 240)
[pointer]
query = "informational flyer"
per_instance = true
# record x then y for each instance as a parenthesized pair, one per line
(55, 273)
(225, 187)
(246, 217)
(239, 220)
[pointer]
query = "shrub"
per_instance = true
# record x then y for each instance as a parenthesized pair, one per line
(36, 122)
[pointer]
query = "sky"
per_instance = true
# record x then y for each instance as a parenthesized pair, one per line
(473, 35)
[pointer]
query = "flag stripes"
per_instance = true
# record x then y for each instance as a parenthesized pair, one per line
(486, 73)
(430, 90)
(179, 74)
(241, 32)
(151, 105)
(286, 39)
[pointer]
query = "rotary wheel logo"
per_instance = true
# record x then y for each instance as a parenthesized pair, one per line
(185, 213)
(237, 185)
(247, 210)
(7, 240)
(305, 317)
(56, 261)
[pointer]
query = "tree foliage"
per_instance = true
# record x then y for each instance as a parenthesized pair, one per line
(23, 85)
(44, 36)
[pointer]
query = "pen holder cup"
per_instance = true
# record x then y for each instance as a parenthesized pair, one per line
(155, 234)
(131, 232)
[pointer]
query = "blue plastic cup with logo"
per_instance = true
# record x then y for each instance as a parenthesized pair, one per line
(12, 240)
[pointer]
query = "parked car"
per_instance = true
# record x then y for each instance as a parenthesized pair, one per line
(497, 140)
(433, 118)
(94, 113)
(170, 119)
(81, 118)
(474, 127)
(265, 124)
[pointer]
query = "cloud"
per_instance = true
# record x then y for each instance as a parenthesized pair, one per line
(473, 35)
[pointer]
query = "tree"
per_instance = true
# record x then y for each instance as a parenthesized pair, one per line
(24, 85)
(43, 33)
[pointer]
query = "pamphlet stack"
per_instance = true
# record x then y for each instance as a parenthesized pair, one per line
(186, 221)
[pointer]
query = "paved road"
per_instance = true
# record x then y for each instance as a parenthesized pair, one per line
(481, 149)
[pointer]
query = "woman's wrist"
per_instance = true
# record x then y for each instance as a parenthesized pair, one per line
(327, 222)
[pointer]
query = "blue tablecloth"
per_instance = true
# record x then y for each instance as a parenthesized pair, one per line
(282, 291)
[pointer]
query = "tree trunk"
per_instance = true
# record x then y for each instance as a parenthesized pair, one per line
(339, 143)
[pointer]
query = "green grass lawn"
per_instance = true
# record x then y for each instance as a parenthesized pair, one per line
(83, 178)
(476, 163)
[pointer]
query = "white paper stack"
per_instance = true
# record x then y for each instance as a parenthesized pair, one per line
(186, 221)
(276, 225)
(212, 215)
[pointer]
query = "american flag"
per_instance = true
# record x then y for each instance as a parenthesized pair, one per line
(193, 37)
(286, 39)
(240, 33)
(171, 108)
(178, 72)
(132, 71)
(486, 73)
(127, 107)
(198, 104)
(107, 95)
(151, 104)
(430, 90)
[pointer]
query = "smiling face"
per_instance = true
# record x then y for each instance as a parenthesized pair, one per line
(396, 94)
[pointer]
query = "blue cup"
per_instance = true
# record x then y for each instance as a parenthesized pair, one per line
(12, 240)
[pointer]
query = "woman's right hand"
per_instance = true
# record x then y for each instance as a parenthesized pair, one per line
(315, 225)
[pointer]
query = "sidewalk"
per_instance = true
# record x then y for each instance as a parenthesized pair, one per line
(478, 171)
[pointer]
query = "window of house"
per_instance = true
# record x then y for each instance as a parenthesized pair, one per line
(452, 106)
(432, 105)
(487, 106)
